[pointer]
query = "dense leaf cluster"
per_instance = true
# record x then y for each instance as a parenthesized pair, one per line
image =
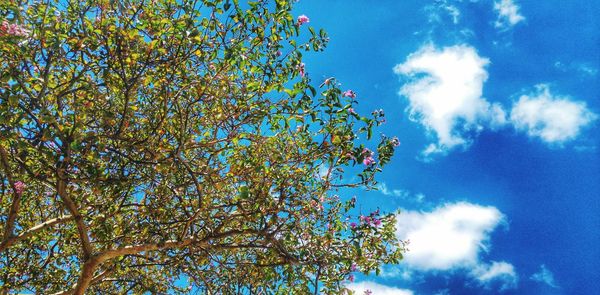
(167, 146)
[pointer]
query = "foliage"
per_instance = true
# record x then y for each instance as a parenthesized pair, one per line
(160, 145)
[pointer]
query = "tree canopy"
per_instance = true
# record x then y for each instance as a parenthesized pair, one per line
(170, 146)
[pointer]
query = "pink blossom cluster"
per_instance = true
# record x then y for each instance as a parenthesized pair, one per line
(349, 93)
(301, 69)
(7, 29)
(371, 219)
(303, 19)
(19, 187)
(368, 154)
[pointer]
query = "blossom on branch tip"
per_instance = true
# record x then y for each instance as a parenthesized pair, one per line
(301, 69)
(303, 19)
(349, 93)
(369, 161)
(376, 222)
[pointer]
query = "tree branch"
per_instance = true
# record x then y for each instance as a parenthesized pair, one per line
(16, 202)
(61, 189)
(87, 273)
(48, 223)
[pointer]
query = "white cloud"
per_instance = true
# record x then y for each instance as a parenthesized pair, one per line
(448, 237)
(554, 119)
(376, 289)
(502, 272)
(440, 9)
(383, 188)
(544, 276)
(445, 94)
(508, 14)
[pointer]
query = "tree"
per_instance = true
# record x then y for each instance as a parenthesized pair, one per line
(167, 146)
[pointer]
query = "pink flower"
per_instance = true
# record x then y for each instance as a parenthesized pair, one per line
(376, 222)
(303, 19)
(301, 69)
(395, 142)
(369, 161)
(353, 267)
(368, 292)
(351, 111)
(353, 225)
(351, 278)
(278, 53)
(19, 187)
(349, 93)
(7, 29)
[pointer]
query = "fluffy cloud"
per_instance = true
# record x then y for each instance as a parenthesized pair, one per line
(445, 94)
(508, 14)
(552, 118)
(496, 271)
(447, 237)
(452, 237)
(377, 289)
(544, 276)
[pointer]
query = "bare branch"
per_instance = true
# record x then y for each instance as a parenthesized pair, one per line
(24, 235)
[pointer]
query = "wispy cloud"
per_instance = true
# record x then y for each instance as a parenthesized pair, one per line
(383, 188)
(508, 14)
(552, 118)
(544, 275)
(445, 94)
(502, 272)
(440, 9)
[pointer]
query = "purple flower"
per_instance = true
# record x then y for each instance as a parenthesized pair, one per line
(19, 188)
(303, 19)
(353, 267)
(376, 222)
(349, 93)
(353, 225)
(368, 161)
(301, 69)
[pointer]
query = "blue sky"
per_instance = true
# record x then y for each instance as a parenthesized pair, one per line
(496, 103)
